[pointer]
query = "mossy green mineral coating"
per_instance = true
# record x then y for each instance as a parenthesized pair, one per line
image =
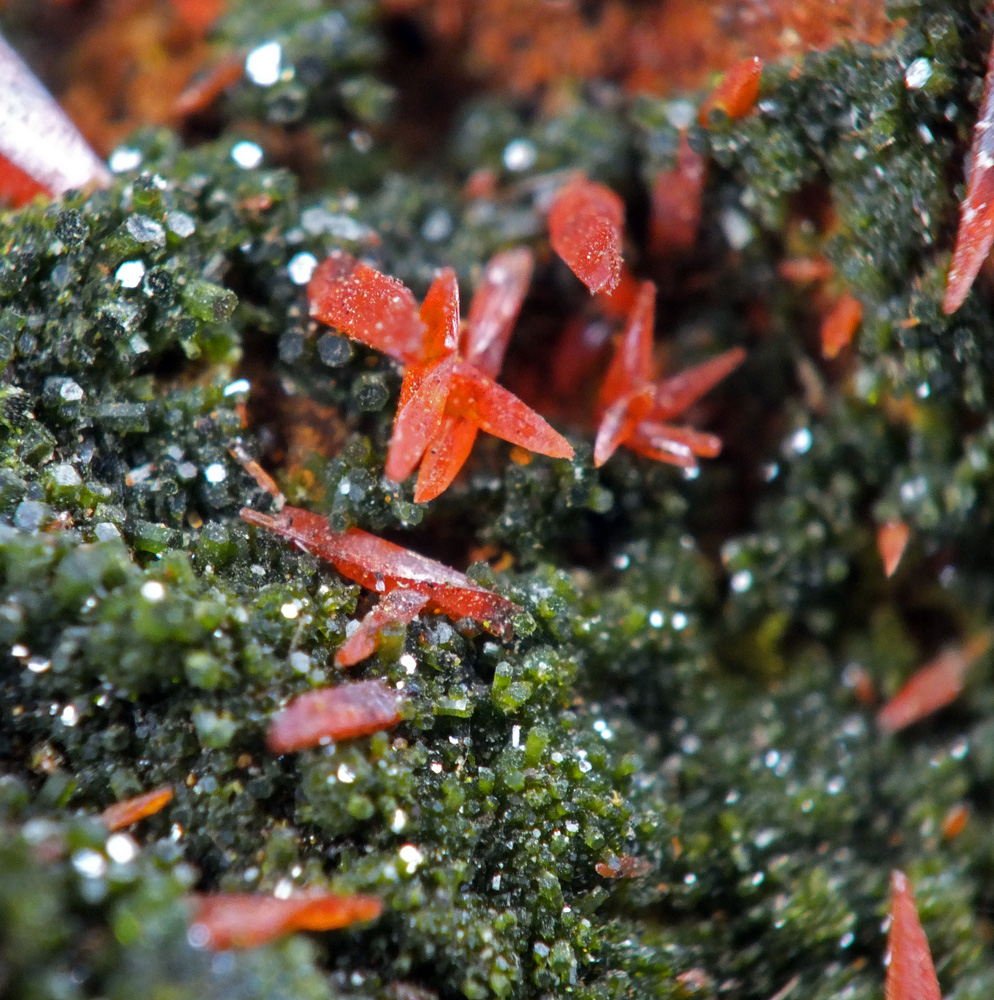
(678, 689)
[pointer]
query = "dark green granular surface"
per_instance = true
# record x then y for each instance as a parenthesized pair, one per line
(680, 691)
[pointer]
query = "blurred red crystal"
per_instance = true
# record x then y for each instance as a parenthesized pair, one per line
(910, 972)
(244, 920)
(202, 91)
(199, 15)
(624, 866)
(892, 539)
(804, 270)
(736, 94)
(128, 811)
(955, 820)
(676, 202)
(933, 686)
(840, 325)
(585, 229)
(975, 234)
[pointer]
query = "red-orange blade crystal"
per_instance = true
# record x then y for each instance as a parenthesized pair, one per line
(382, 566)
(419, 416)
(910, 972)
(494, 612)
(675, 394)
(337, 713)
(369, 560)
(499, 412)
(674, 445)
(306, 530)
(378, 564)
(975, 234)
(368, 306)
(631, 365)
(585, 228)
(262, 478)
(242, 920)
(618, 422)
(440, 315)
(444, 457)
(495, 306)
(399, 607)
(426, 385)
(128, 811)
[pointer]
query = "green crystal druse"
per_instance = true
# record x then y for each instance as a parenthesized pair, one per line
(677, 705)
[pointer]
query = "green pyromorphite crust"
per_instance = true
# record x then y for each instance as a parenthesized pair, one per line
(677, 700)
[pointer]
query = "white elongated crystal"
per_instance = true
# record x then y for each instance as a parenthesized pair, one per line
(36, 135)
